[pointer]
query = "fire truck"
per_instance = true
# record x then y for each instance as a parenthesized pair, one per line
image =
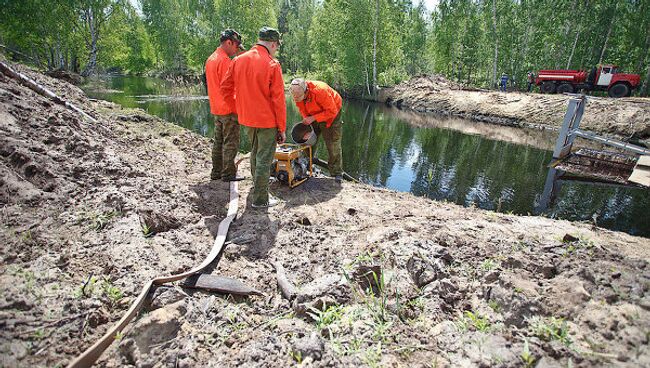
(603, 78)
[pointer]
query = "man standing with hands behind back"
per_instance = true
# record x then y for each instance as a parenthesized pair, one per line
(253, 86)
(226, 128)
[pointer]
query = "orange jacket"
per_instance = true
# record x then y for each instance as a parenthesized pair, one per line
(215, 69)
(256, 79)
(322, 102)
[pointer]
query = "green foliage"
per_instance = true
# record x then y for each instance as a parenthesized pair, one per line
(534, 35)
(550, 329)
(488, 264)
(146, 231)
(327, 317)
(526, 357)
(473, 320)
(351, 44)
(494, 306)
(104, 288)
(296, 355)
(111, 291)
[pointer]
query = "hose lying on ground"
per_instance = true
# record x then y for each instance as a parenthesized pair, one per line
(31, 84)
(88, 357)
(323, 163)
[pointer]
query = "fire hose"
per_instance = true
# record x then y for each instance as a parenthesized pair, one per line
(88, 357)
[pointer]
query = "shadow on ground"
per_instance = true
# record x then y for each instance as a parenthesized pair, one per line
(211, 202)
(315, 190)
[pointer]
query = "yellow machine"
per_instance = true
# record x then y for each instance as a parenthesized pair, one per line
(293, 164)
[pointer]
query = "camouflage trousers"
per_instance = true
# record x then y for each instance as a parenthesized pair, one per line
(262, 152)
(226, 145)
(332, 137)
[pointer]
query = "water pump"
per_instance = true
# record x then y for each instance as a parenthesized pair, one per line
(292, 164)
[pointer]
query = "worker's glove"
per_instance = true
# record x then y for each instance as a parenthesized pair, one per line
(280, 137)
(308, 120)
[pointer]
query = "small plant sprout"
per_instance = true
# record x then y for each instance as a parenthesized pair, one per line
(146, 231)
(526, 357)
(297, 356)
(39, 334)
(550, 329)
(87, 288)
(111, 291)
(488, 265)
(325, 318)
(494, 305)
(100, 221)
(471, 319)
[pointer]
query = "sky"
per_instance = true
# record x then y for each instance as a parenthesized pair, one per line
(430, 4)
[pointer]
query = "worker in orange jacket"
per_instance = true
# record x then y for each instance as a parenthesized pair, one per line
(320, 107)
(226, 128)
(253, 86)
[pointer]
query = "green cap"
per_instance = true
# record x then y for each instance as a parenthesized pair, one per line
(269, 34)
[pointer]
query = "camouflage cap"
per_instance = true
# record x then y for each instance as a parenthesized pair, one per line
(231, 34)
(269, 34)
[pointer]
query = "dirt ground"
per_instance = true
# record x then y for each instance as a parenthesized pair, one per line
(90, 212)
(625, 118)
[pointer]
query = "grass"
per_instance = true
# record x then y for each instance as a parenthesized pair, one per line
(488, 265)
(296, 355)
(93, 287)
(495, 306)
(473, 320)
(111, 291)
(526, 357)
(372, 356)
(87, 288)
(551, 328)
(325, 318)
(97, 221)
(146, 231)
(38, 334)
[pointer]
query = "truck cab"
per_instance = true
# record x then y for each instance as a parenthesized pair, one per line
(605, 74)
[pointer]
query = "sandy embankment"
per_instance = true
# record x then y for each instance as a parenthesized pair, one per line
(624, 118)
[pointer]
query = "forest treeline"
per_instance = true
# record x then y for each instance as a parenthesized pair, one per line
(352, 44)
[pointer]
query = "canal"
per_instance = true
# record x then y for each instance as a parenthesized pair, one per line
(472, 164)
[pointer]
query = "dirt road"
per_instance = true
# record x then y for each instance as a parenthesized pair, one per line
(625, 118)
(454, 286)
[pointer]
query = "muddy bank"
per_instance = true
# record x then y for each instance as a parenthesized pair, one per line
(625, 118)
(454, 286)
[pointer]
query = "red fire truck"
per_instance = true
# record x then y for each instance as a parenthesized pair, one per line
(603, 78)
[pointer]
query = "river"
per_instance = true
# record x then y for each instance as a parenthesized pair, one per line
(471, 164)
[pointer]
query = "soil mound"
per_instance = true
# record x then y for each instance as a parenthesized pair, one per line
(370, 277)
(625, 118)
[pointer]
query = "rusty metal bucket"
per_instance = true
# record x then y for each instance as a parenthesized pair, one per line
(303, 134)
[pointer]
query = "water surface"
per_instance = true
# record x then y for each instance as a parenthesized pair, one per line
(472, 164)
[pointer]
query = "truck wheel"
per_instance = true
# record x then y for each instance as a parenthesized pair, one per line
(619, 90)
(548, 87)
(565, 88)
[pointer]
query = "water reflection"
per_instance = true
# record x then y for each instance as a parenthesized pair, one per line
(496, 168)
